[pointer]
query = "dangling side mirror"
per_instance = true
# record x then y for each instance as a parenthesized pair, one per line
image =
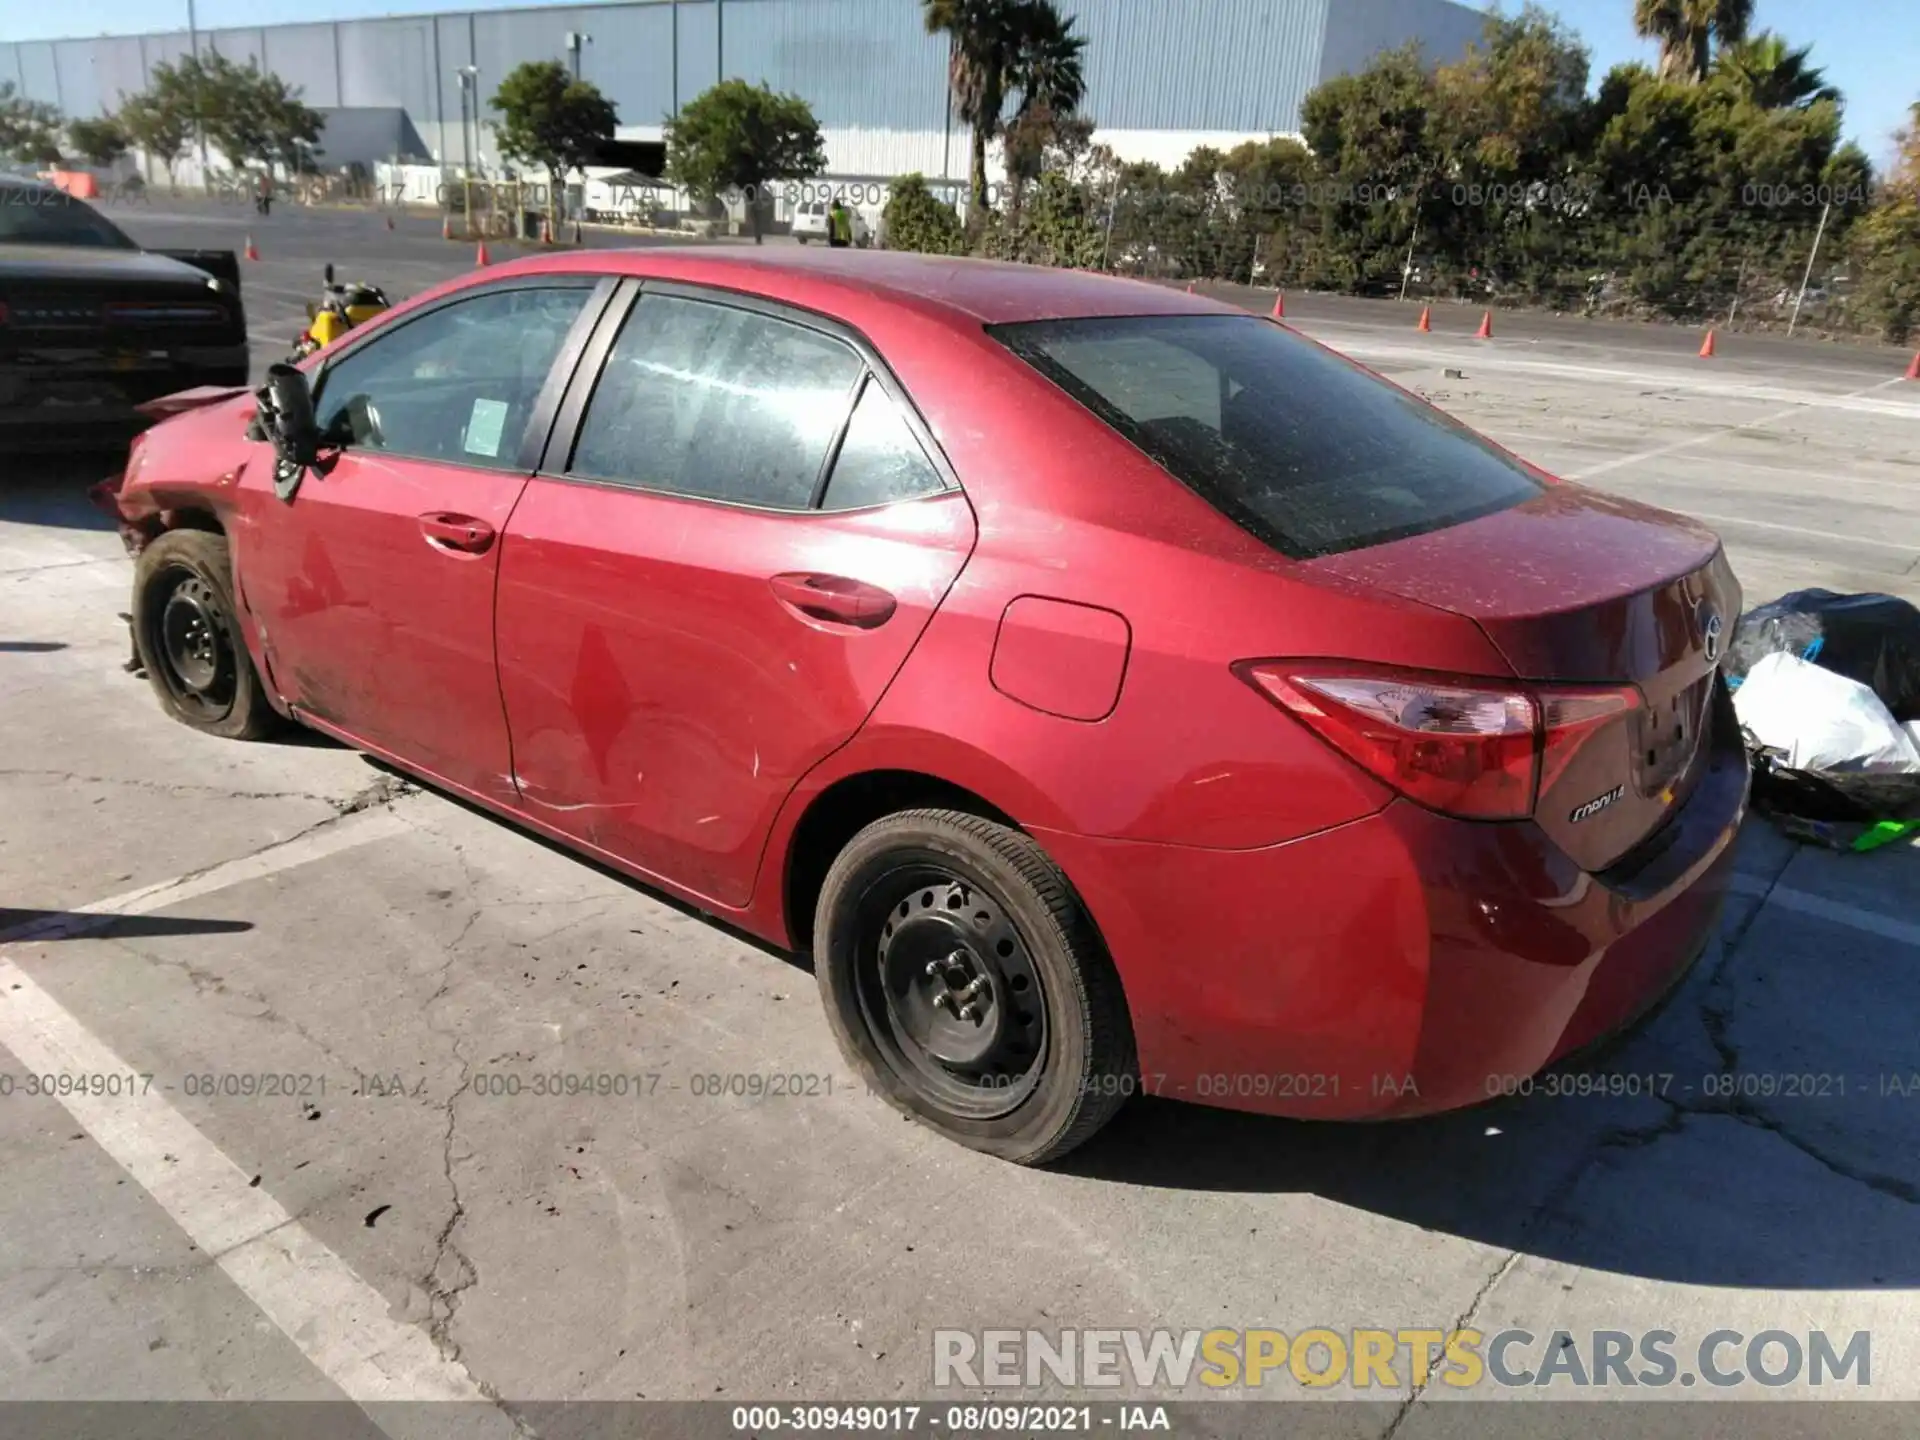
(291, 425)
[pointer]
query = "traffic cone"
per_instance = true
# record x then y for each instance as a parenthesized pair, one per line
(1426, 320)
(1706, 347)
(446, 225)
(252, 252)
(480, 256)
(1280, 306)
(1190, 289)
(546, 230)
(1485, 332)
(1913, 367)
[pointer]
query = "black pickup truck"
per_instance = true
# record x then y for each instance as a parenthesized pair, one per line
(92, 327)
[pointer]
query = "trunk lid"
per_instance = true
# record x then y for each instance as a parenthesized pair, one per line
(1580, 587)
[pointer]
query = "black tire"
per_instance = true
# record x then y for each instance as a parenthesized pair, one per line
(187, 632)
(1036, 987)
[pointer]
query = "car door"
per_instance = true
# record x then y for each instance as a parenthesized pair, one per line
(739, 532)
(373, 585)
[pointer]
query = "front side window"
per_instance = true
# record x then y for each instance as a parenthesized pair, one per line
(458, 384)
(1301, 447)
(716, 401)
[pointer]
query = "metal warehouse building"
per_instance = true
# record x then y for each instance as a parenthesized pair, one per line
(1163, 75)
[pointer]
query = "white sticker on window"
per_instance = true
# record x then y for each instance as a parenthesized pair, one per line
(484, 426)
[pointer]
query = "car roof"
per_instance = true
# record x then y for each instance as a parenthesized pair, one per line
(991, 292)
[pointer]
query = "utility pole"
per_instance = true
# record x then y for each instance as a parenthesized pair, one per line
(193, 48)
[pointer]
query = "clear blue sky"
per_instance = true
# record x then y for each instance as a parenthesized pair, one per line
(1870, 48)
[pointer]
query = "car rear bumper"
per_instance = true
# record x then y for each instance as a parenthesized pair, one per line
(1399, 964)
(86, 398)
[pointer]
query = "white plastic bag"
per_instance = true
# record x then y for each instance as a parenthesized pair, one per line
(1823, 721)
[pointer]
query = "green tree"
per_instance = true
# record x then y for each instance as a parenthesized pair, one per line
(29, 129)
(1512, 121)
(98, 142)
(1886, 247)
(1688, 31)
(550, 119)
(917, 219)
(157, 123)
(999, 48)
(1378, 138)
(1763, 70)
(737, 136)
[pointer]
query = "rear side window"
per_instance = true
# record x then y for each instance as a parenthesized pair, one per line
(879, 460)
(1305, 449)
(716, 401)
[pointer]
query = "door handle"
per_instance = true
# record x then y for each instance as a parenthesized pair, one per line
(456, 532)
(835, 599)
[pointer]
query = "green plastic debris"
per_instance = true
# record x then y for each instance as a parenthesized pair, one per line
(1885, 833)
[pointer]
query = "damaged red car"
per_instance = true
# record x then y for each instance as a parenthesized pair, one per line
(1116, 692)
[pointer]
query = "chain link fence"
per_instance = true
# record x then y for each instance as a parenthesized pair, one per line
(1769, 260)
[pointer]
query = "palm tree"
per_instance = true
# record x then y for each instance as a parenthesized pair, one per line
(1689, 30)
(1000, 48)
(1770, 75)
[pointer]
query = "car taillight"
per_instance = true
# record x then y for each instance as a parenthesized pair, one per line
(1478, 749)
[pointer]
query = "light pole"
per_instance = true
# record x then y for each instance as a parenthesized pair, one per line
(469, 98)
(577, 40)
(193, 48)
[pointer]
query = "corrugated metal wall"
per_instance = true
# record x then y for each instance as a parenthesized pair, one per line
(1357, 30)
(874, 77)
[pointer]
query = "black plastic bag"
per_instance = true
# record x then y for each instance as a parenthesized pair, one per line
(1874, 639)
(1861, 797)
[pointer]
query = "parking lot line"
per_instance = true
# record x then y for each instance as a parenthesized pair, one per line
(338, 1321)
(1821, 908)
(358, 829)
(342, 1325)
(1708, 436)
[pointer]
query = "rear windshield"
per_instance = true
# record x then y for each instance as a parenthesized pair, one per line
(30, 215)
(1305, 449)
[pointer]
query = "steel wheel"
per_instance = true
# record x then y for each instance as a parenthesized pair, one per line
(950, 992)
(195, 647)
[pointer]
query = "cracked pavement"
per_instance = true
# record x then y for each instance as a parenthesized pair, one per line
(1740, 1163)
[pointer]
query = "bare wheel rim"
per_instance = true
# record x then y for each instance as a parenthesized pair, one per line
(949, 991)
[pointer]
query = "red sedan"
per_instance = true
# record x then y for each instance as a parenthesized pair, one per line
(1116, 692)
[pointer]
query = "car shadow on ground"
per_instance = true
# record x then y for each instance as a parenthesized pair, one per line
(45, 926)
(1782, 1150)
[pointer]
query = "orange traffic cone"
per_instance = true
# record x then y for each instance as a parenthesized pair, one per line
(1426, 320)
(252, 252)
(480, 256)
(1190, 289)
(446, 225)
(546, 230)
(1485, 332)
(1280, 306)
(1913, 367)
(1706, 347)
